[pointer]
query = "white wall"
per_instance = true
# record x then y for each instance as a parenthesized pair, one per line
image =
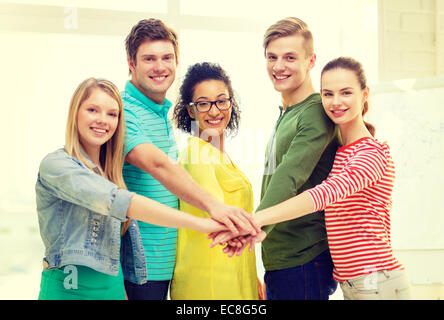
(408, 115)
(412, 38)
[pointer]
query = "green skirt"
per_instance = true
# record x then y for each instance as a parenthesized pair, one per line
(75, 282)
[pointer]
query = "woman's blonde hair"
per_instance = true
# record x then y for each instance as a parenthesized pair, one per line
(111, 152)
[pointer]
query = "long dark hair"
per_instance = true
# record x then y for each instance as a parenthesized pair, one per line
(351, 64)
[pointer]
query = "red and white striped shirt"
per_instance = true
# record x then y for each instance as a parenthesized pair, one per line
(356, 197)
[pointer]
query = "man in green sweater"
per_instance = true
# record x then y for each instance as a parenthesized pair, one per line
(299, 156)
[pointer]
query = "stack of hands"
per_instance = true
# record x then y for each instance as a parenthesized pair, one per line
(235, 243)
(242, 231)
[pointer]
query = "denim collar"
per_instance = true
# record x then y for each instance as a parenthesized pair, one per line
(160, 109)
(91, 163)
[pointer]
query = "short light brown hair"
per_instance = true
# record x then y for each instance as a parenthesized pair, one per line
(149, 29)
(288, 27)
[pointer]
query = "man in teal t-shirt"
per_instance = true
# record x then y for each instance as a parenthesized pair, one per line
(150, 168)
(299, 156)
(146, 122)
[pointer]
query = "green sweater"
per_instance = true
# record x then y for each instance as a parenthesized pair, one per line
(299, 156)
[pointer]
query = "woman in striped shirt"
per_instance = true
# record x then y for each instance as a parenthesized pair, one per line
(356, 195)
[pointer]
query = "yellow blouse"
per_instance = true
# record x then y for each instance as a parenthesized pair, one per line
(200, 272)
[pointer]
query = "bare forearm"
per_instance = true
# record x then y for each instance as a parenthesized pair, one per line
(177, 180)
(290, 209)
(150, 211)
(189, 191)
(170, 174)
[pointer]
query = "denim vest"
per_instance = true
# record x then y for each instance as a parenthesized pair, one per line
(80, 215)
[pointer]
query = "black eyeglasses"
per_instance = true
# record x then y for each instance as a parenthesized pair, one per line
(205, 106)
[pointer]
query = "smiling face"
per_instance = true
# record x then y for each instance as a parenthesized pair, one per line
(214, 121)
(342, 96)
(154, 70)
(97, 120)
(288, 64)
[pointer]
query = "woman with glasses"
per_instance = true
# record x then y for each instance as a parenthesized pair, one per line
(207, 109)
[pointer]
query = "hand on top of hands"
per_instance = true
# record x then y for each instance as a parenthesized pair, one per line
(237, 220)
(235, 245)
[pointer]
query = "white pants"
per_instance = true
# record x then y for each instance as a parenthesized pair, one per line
(382, 285)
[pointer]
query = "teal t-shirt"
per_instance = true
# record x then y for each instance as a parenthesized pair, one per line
(147, 122)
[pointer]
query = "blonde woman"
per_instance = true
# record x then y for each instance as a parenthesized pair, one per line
(82, 204)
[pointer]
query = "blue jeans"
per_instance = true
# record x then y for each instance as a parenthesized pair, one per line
(311, 281)
(151, 290)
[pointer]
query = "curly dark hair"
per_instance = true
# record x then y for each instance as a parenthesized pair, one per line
(196, 74)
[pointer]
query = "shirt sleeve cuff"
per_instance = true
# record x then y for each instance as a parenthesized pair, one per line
(131, 144)
(120, 204)
(318, 202)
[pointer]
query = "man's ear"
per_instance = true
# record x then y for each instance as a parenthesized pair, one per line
(312, 62)
(131, 64)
